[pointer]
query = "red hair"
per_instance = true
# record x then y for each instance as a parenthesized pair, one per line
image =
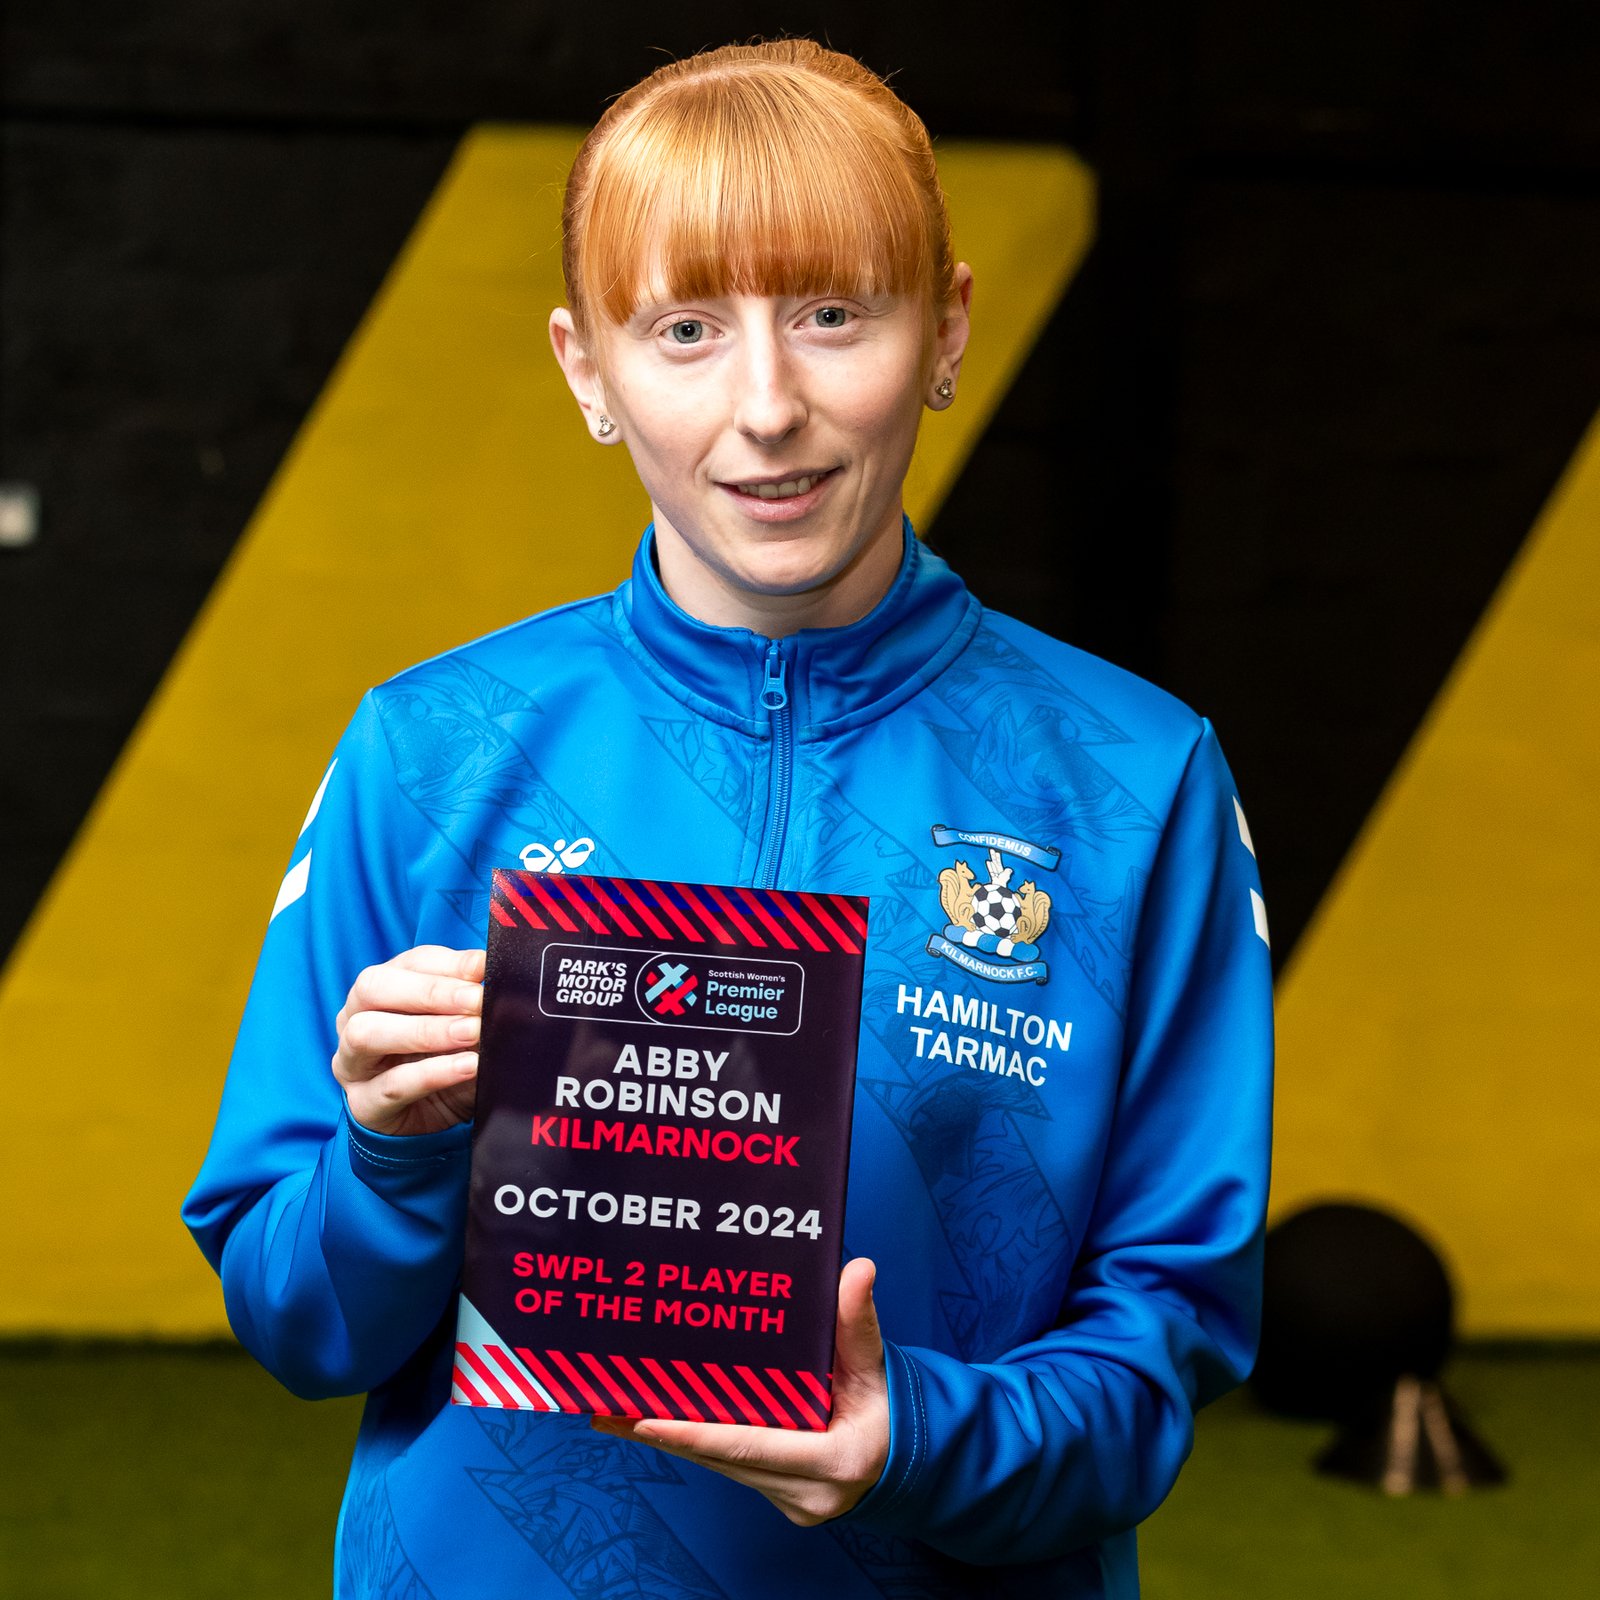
(780, 168)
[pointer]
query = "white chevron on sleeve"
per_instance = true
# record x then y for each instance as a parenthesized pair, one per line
(1238, 811)
(322, 789)
(1259, 907)
(293, 885)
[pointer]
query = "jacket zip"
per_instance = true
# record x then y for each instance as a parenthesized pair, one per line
(775, 701)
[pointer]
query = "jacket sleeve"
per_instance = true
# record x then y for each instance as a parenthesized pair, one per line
(338, 1248)
(1079, 1434)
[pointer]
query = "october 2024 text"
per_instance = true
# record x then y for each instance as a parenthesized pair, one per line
(656, 1207)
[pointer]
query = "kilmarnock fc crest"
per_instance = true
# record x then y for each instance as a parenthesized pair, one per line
(1002, 923)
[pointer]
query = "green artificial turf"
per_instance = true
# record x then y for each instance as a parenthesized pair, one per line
(174, 1473)
(132, 1472)
(1249, 1517)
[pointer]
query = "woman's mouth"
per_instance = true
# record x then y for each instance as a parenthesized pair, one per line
(779, 499)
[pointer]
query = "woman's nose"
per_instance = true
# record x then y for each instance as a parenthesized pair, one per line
(770, 404)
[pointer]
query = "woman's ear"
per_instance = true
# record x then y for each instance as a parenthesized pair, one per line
(950, 341)
(582, 373)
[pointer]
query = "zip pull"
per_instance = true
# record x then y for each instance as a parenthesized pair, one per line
(774, 694)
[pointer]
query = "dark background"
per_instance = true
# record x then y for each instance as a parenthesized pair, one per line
(1338, 335)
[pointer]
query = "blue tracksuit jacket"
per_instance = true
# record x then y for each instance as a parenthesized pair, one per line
(1060, 1147)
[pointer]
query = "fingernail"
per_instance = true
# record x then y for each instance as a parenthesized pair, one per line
(465, 1029)
(468, 996)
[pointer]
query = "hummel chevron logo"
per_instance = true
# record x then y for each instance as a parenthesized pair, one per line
(557, 857)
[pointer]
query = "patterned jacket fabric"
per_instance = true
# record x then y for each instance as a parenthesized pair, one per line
(1060, 1144)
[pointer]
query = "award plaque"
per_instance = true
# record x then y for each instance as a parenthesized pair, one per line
(655, 1217)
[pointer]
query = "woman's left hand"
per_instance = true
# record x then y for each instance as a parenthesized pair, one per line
(809, 1477)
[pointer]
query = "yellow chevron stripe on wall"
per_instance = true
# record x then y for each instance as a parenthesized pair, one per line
(1436, 1029)
(442, 486)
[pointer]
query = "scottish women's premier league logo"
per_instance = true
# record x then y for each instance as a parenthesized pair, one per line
(992, 929)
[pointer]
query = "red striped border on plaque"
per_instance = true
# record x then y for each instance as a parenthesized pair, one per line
(488, 1375)
(656, 912)
(616, 1386)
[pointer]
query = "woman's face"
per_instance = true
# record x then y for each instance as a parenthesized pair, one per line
(772, 435)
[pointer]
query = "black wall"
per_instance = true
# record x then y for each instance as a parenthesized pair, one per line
(1337, 338)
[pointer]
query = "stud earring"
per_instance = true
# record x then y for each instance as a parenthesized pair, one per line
(607, 426)
(945, 389)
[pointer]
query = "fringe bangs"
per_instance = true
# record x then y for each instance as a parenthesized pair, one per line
(754, 179)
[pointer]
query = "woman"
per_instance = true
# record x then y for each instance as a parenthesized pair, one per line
(1060, 1142)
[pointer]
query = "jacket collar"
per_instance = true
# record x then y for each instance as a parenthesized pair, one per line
(834, 678)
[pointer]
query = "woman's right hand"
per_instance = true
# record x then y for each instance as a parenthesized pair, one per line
(408, 1034)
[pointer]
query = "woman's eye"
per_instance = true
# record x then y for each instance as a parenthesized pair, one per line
(688, 331)
(831, 316)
